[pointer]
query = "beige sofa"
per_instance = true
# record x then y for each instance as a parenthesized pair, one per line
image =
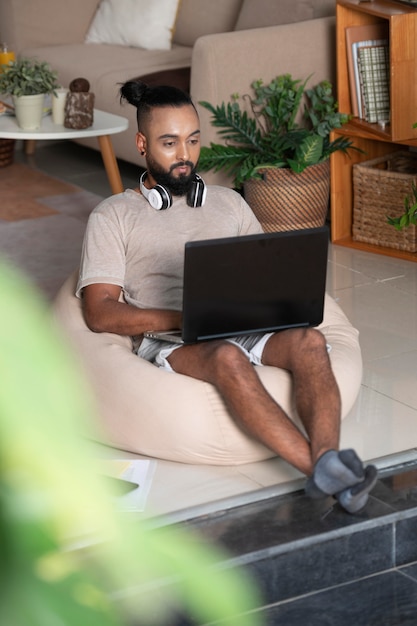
(218, 48)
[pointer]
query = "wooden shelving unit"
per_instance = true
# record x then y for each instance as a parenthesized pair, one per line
(373, 139)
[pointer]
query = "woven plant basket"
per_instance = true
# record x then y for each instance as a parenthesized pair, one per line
(6, 152)
(283, 200)
(380, 187)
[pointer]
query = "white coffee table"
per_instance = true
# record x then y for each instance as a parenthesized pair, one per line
(105, 125)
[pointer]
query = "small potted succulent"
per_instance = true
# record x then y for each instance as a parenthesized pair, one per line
(28, 81)
(277, 146)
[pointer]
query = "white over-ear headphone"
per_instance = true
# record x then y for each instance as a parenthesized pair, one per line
(160, 198)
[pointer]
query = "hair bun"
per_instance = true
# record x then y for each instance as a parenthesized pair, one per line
(133, 91)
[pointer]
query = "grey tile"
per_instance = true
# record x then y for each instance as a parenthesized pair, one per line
(385, 600)
(278, 521)
(324, 564)
(406, 541)
(409, 570)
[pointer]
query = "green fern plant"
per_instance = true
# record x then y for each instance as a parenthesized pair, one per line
(269, 134)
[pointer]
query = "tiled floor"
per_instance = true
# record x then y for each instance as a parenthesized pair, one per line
(315, 565)
(379, 295)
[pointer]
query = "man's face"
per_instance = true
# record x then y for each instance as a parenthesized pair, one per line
(171, 142)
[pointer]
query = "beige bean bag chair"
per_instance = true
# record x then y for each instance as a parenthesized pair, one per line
(170, 416)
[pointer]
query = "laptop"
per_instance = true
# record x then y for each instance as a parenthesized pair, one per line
(253, 283)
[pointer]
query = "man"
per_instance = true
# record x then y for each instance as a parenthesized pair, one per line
(131, 281)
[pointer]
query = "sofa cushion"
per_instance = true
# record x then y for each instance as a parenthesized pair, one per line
(324, 8)
(49, 22)
(200, 17)
(137, 23)
(106, 67)
(259, 13)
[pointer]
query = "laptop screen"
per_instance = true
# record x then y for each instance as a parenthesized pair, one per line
(253, 283)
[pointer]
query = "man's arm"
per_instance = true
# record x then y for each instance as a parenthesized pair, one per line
(103, 312)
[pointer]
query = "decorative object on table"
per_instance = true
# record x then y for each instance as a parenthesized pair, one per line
(6, 56)
(59, 100)
(281, 162)
(79, 107)
(381, 187)
(28, 81)
(6, 108)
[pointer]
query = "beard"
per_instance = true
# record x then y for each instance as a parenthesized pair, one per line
(177, 185)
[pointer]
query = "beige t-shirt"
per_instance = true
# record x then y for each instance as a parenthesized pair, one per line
(130, 244)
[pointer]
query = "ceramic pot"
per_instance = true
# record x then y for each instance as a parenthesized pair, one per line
(283, 200)
(29, 111)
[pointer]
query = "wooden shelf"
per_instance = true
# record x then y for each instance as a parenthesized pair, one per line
(367, 247)
(373, 140)
(401, 22)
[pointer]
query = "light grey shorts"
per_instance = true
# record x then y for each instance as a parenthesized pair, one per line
(157, 352)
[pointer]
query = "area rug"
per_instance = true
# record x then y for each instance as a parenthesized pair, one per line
(22, 190)
(42, 224)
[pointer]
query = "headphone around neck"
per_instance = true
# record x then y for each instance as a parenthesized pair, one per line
(160, 198)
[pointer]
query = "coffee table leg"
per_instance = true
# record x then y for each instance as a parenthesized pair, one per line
(30, 145)
(110, 163)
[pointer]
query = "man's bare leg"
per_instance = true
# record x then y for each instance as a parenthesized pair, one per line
(303, 353)
(227, 368)
(318, 404)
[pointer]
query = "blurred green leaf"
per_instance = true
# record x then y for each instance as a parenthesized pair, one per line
(52, 499)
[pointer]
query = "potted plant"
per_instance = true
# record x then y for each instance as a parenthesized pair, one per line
(277, 146)
(28, 81)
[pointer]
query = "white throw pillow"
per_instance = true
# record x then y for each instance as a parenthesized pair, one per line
(138, 23)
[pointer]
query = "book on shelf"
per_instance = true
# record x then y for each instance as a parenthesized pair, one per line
(358, 37)
(373, 64)
(410, 3)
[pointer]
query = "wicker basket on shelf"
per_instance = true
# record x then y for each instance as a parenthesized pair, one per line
(6, 152)
(379, 189)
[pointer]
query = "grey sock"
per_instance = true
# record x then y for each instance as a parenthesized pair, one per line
(353, 499)
(334, 472)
